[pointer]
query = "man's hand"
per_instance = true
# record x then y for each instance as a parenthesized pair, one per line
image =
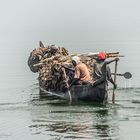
(94, 83)
(68, 87)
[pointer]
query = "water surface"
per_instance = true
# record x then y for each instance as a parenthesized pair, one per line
(26, 115)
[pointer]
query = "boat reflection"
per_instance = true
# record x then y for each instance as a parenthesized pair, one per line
(60, 121)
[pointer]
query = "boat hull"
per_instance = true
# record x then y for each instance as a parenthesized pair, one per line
(79, 92)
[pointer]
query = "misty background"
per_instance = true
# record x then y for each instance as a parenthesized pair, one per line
(78, 25)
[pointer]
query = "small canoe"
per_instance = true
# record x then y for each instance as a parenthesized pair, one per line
(79, 92)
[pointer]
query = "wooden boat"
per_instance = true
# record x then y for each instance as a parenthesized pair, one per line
(39, 61)
(79, 93)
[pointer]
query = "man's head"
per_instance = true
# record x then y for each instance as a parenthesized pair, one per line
(75, 60)
(101, 56)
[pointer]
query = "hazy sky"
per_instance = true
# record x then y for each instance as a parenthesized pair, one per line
(78, 25)
(66, 20)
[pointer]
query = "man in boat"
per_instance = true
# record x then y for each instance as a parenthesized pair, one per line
(102, 72)
(101, 75)
(82, 74)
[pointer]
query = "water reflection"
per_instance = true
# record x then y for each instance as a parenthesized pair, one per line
(57, 120)
(79, 121)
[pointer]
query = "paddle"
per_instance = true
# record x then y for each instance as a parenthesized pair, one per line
(115, 75)
(126, 75)
(51, 93)
(70, 98)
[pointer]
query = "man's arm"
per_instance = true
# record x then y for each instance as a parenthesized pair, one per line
(109, 77)
(76, 77)
(77, 73)
(75, 80)
(116, 59)
(115, 85)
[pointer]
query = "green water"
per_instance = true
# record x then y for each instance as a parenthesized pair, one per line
(80, 26)
(24, 115)
(28, 116)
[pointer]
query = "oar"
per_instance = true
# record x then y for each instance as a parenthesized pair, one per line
(115, 75)
(51, 93)
(126, 75)
(70, 98)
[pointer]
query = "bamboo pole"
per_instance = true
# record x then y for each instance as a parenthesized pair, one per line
(115, 76)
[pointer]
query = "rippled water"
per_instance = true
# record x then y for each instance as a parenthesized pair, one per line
(80, 26)
(24, 115)
(31, 117)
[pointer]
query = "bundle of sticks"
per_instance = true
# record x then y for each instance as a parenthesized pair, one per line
(50, 61)
(43, 52)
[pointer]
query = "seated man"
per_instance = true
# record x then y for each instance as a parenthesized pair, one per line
(82, 74)
(102, 72)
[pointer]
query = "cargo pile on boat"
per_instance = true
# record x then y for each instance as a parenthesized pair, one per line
(53, 63)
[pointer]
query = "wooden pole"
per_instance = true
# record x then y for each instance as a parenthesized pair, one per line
(115, 75)
(70, 98)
